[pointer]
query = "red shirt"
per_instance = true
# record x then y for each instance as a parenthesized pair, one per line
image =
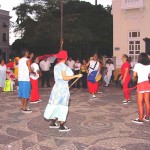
(123, 68)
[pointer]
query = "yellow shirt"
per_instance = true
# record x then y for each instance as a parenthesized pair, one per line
(83, 68)
(16, 71)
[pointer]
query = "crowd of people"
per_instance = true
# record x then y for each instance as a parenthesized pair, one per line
(86, 74)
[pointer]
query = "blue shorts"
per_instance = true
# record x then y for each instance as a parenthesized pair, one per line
(24, 89)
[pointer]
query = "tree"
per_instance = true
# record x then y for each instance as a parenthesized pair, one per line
(87, 28)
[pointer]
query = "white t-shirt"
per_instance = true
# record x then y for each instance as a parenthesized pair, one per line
(23, 70)
(35, 68)
(92, 65)
(78, 66)
(45, 65)
(142, 72)
(110, 68)
(70, 64)
(3, 68)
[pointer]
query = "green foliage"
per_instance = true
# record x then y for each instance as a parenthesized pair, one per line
(87, 28)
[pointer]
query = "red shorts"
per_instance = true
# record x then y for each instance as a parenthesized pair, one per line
(143, 87)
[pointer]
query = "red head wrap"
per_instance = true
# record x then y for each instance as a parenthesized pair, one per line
(62, 54)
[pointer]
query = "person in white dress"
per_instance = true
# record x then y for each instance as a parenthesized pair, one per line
(109, 70)
(57, 107)
(2, 74)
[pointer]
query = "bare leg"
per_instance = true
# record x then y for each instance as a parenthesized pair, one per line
(52, 122)
(147, 103)
(24, 103)
(140, 106)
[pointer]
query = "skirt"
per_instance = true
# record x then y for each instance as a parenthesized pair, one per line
(143, 87)
(92, 87)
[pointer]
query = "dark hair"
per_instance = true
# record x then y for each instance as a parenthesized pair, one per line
(34, 58)
(126, 56)
(108, 61)
(1, 60)
(23, 52)
(143, 59)
(31, 52)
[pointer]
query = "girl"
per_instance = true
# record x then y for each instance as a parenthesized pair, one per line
(93, 66)
(34, 76)
(142, 70)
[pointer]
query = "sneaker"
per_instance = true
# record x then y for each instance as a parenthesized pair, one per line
(128, 101)
(125, 102)
(54, 126)
(34, 102)
(39, 101)
(137, 121)
(93, 97)
(27, 111)
(145, 119)
(105, 85)
(64, 129)
(99, 92)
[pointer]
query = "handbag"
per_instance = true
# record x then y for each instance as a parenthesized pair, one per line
(92, 76)
(7, 87)
(132, 82)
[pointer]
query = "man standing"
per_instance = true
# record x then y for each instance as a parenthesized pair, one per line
(70, 63)
(45, 69)
(24, 81)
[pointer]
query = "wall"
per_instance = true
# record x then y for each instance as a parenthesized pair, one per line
(125, 20)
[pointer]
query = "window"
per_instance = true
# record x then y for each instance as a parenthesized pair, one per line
(134, 45)
(4, 25)
(4, 37)
(133, 34)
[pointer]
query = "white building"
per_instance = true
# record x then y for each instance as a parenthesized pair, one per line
(131, 28)
(4, 32)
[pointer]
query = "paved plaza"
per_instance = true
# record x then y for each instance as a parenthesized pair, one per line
(100, 124)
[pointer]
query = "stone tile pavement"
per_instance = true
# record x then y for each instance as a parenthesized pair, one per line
(101, 124)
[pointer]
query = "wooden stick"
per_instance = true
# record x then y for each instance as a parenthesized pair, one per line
(74, 83)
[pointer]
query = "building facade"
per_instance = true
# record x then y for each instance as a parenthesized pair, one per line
(131, 28)
(4, 33)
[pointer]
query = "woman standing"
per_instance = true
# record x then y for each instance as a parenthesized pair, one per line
(31, 57)
(93, 66)
(16, 61)
(142, 70)
(34, 76)
(125, 78)
(84, 73)
(2, 74)
(57, 107)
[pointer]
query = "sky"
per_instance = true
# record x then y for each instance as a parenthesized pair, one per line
(9, 4)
